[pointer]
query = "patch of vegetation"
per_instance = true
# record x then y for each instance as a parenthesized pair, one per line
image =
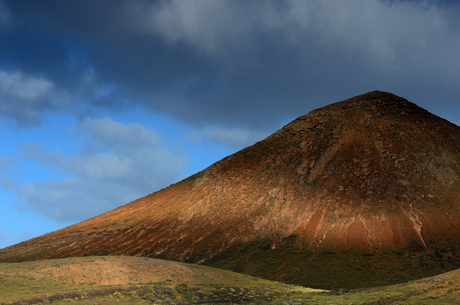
(63, 279)
(33, 283)
(165, 283)
(343, 270)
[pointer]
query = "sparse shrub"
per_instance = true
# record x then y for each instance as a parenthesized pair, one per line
(166, 282)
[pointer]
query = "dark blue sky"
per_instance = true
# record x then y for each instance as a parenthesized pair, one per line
(191, 80)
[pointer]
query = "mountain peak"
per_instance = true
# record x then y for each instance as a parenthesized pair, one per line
(371, 100)
(374, 104)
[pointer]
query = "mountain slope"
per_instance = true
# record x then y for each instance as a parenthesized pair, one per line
(358, 193)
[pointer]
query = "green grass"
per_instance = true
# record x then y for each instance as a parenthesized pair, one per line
(201, 283)
(33, 279)
(328, 270)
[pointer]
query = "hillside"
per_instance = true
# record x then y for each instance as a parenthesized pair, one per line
(134, 280)
(130, 278)
(359, 193)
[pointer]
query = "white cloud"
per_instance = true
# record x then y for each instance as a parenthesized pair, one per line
(18, 85)
(118, 163)
(114, 133)
(211, 26)
(386, 34)
(235, 138)
(6, 181)
(25, 98)
(393, 36)
(91, 82)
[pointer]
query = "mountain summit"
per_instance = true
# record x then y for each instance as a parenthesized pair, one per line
(362, 192)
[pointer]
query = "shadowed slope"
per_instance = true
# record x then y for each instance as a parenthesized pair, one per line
(361, 192)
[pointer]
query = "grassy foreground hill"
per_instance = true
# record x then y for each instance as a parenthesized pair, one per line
(131, 280)
(135, 280)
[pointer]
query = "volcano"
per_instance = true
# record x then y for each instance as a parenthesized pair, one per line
(359, 193)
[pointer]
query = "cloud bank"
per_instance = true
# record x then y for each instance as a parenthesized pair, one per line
(228, 63)
(116, 164)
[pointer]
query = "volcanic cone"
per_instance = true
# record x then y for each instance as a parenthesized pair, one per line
(359, 193)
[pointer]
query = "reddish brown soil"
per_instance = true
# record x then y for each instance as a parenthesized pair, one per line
(374, 180)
